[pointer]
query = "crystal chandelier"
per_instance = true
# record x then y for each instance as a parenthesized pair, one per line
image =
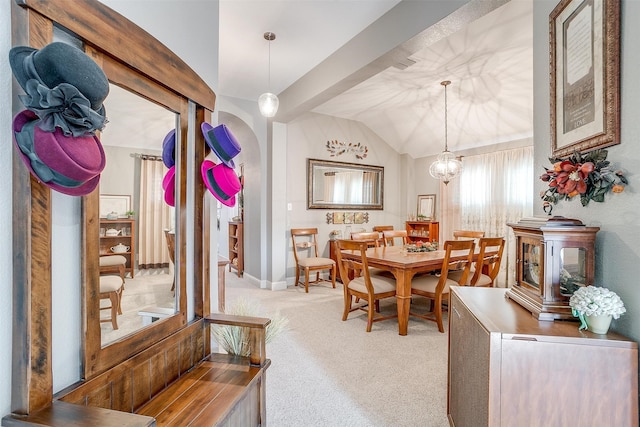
(268, 102)
(447, 166)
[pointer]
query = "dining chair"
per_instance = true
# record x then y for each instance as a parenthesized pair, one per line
(305, 240)
(486, 268)
(436, 287)
(467, 234)
(382, 228)
(389, 236)
(366, 286)
(170, 237)
(372, 237)
(111, 289)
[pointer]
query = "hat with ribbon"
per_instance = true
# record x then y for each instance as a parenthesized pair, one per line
(64, 87)
(222, 142)
(169, 149)
(70, 165)
(169, 186)
(221, 181)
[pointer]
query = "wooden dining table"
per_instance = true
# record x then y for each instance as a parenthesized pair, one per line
(404, 265)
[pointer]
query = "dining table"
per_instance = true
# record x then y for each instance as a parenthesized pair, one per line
(404, 265)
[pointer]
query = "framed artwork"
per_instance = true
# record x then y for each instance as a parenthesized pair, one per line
(114, 203)
(338, 217)
(348, 217)
(584, 47)
(426, 207)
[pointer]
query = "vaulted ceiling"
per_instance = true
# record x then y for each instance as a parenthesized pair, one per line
(485, 49)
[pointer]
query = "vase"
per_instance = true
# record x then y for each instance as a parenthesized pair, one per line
(598, 324)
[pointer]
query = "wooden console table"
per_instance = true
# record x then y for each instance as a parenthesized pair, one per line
(506, 368)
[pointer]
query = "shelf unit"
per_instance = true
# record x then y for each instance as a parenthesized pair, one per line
(126, 236)
(424, 231)
(236, 247)
(522, 369)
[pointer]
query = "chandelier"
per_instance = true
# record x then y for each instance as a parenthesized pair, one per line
(268, 102)
(447, 166)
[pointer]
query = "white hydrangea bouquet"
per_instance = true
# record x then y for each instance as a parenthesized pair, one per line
(595, 301)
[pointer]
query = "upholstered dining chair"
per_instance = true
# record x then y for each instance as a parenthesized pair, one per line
(111, 289)
(372, 237)
(305, 240)
(389, 236)
(486, 268)
(366, 286)
(436, 287)
(467, 234)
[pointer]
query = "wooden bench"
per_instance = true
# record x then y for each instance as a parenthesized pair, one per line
(173, 383)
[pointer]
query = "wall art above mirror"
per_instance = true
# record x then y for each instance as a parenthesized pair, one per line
(338, 185)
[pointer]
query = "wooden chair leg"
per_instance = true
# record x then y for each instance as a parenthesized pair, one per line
(347, 305)
(333, 276)
(306, 280)
(297, 275)
(113, 297)
(370, 311)
(438, 313)
(120, 299)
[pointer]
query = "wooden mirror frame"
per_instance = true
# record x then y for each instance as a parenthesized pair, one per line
(113, 41)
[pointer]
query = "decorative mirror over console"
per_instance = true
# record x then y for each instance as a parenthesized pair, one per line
(338, 185)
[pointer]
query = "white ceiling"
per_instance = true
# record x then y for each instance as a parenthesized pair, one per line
(489, 62)
(488, 59)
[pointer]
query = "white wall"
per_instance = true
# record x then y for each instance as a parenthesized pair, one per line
(617, 248)
(307, 138)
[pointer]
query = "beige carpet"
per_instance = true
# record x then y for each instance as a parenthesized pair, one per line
(326, 372)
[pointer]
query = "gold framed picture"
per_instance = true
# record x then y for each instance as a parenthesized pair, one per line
(426, 207)
(584, 47)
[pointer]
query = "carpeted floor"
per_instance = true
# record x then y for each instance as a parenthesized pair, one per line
(326, 372)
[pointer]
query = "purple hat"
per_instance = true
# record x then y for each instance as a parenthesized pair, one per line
(169, 186)
(70, 165)
(222, 142)
(221, 181)
(169, 149)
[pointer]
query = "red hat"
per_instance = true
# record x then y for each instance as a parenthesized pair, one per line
(70, 165)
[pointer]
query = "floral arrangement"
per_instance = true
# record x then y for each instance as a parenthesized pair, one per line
(420, 246)
(588, 176)
(235, 339)
(595, 301)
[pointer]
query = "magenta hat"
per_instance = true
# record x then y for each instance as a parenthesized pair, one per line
(169, 186)
(222, 142)
(169, 149)
(221, 181)
(70, 165)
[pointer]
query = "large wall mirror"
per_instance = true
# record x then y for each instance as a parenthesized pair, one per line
(137, 225)
(338, 185)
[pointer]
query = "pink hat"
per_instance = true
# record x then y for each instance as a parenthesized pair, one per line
(221, 181)
(70, 165)
(169, 186)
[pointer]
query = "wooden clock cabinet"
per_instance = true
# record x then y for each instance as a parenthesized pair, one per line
(554, 257)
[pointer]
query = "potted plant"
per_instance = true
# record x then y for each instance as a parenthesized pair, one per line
(235, 339)
(130, 214)
(595, 306)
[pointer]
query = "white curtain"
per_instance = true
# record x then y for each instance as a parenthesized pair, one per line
(155, 215)
(369, 185)
(493, 190)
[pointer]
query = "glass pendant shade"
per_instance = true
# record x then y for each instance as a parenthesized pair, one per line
(447, 166)
(268, 104)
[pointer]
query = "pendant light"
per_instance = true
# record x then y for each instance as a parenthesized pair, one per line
(447, 166)
(268, 102)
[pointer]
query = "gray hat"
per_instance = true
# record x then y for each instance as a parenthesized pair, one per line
(60, 65)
